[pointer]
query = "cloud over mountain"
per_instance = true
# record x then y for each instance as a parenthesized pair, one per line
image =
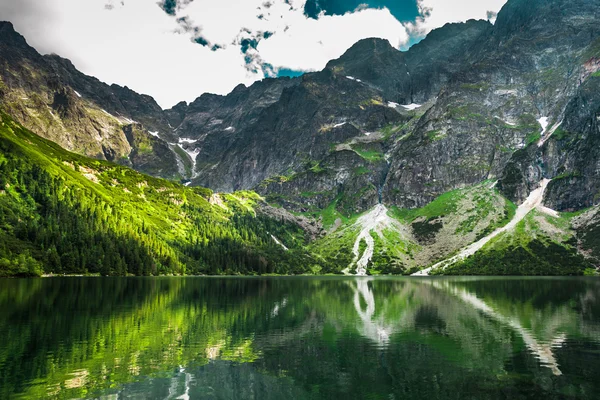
(177, 49)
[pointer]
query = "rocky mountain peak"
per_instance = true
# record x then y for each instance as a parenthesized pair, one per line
(9, 35)
(551, 16)
(364, 48)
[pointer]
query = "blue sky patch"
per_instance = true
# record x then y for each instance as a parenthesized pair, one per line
(289, 73)
(402, 10)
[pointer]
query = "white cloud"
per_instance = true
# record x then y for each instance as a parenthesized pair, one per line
(135, 43)
(298, 42)
(309, 44)
(437, 13)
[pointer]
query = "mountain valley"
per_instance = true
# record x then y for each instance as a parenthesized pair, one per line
(475, 152)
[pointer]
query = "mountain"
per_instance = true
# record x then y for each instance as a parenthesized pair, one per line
(49, 96)
(472, 152)
(64, 213)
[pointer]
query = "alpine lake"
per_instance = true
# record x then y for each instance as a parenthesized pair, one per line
(300, 338)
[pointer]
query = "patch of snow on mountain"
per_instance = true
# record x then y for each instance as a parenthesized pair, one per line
(109, 114)
(128, 120)
(377, 221)
(279, 243)
(186, 140)
(543, 121)
(534, 200)
(546, 135)
(193, 154)
(505, 121)
(411, 107)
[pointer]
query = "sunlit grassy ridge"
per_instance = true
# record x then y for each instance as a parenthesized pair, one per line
(539, 245)
(64, 213)
(419, 236)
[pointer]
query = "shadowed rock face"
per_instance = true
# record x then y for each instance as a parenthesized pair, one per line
(477, 93)
(245, 138)
(527, 67)
(483, 88)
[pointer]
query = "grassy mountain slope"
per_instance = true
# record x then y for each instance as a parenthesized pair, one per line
(65, 213)
(541, 244)
(406, 240)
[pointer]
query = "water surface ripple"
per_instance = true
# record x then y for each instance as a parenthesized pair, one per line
(300, 338)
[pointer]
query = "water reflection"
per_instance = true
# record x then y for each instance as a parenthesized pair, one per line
(542, 350)
(251, 338)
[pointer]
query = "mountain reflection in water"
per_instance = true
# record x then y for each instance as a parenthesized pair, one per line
(300, 338)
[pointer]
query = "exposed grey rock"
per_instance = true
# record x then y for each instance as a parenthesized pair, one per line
(342, 134)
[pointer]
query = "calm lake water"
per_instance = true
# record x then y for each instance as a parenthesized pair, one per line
(300, 338)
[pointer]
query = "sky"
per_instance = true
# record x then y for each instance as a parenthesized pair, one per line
(175, 50)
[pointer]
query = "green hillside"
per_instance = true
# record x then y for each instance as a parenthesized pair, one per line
(63, 213)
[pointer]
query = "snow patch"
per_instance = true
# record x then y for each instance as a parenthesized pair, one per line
(278, 242)
(375, 220)
(353, 78)
(505, 121)
(368, 133)
(504, 92)
(411, 106)
(340, 124)
(229, 129)
(543, 121)
(192, 154)
(109, 114)
(128, 120)
(549, 211)
(391, 104)
(546, 135)
(77, 93)
(155, 134)
(186, 140)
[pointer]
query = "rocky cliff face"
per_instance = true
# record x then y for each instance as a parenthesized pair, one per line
(313, 139)
(479, 99)
(510, 92)
(515, 101)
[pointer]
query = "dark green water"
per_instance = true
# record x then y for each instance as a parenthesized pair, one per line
(300, 338)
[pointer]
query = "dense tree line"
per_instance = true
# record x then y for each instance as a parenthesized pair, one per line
(52, 224)
(533, 258)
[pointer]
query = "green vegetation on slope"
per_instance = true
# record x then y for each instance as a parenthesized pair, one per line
(64, 213)
(539, 245)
